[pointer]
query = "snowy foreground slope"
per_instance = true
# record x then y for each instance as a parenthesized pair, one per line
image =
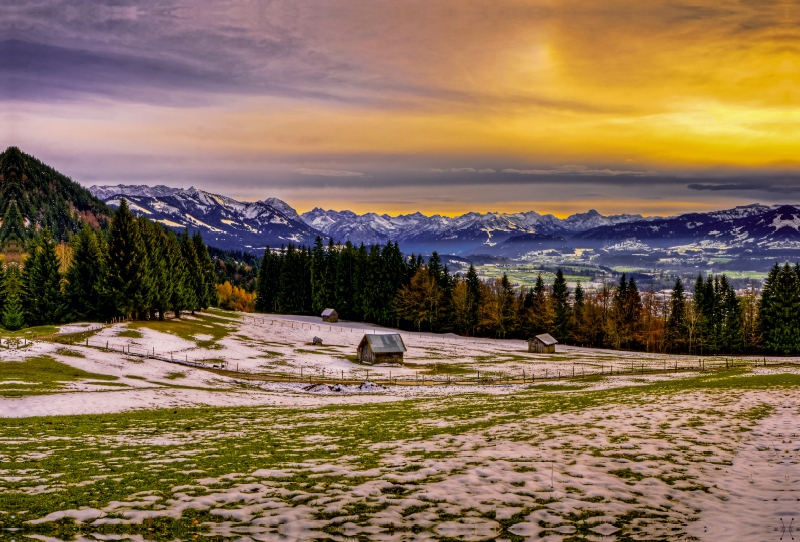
(671, 456)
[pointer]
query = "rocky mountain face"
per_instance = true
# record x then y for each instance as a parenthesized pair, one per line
(224, 222)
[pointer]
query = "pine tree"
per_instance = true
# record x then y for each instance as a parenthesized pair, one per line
(84, 295)
(12, 316)
(195, 287)
(127, 262)
(778, 310)
(561, 308)
(268, 282)
(393, 274)
(505, 304)
(319, 279)
(473, 298)
(180, 281)
(160, 274)
(676, 323)
(540, 314)
(730, 318)
(578, 315)
(148, 232)
(207, 290)
(42, 300)
(346, 281)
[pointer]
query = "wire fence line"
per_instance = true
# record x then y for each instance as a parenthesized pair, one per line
(559, 370)
(384, 374)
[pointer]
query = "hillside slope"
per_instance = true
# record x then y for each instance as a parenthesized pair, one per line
(45, 197)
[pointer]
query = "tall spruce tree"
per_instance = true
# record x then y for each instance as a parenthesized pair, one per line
(127, 262)
(561, 307)
(730, 334)
(160, 274)
(268, 283)
(84, 295)
(675, 331)
(778, 310)
(578, 320)
(181, 296)
(319, 277)
(195, 289)
(207, 291)
(473, 298)
(13, 314)
(42, 300)
(148, 232)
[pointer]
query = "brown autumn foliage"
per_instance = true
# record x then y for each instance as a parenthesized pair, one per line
(234, 298)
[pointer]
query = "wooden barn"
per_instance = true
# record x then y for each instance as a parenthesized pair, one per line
(330, 315)
(376, 348)
(542, 344)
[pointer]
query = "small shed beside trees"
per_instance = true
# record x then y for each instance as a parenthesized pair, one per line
(542, 344)
(376, 348)
(330, 315)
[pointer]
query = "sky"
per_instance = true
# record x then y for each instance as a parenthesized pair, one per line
(439, 106)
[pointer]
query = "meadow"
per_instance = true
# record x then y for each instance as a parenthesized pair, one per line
(139, 448)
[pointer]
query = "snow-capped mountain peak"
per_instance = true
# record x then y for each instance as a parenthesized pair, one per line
(224, 222)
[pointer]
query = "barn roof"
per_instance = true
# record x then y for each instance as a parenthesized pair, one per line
(328, 312)
(385, 343)
(546, 339)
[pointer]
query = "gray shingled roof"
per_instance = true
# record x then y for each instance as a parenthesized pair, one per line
(386, 344)
(328, 312)
(547, 339)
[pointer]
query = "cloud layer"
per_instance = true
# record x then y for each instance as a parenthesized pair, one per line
(295, 97)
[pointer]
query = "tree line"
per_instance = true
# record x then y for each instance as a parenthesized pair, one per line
(136, 269)
(379, 284)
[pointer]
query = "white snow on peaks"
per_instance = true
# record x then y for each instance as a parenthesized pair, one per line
(105, 192)
(780, 222)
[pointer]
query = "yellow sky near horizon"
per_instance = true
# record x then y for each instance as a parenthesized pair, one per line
(601, 99)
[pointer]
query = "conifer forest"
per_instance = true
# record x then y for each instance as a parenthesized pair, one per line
(381, 285)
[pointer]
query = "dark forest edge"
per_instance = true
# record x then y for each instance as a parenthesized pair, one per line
(378, 284)
(135, 269)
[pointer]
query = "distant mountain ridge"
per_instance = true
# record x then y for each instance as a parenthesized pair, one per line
(465, 232)
(226, 223)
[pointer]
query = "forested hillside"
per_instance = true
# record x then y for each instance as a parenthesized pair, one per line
(134, 269)
(33, 192)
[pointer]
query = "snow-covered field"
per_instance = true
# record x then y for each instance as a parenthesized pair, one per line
(180, 451)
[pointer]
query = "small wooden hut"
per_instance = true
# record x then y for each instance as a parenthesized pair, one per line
(330, 315)
(377, 348)
(542, 344)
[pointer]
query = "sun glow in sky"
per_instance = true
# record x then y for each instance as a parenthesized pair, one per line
(447, 106)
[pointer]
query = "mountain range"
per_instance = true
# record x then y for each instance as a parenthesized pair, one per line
(750, 236)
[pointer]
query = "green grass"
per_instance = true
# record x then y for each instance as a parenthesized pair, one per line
(41, 375)
(558, 387)
(225, 314)
(215, 442)
(435, 369)
(29, 332)
(70, 353)
(175, 376)
(130, 333)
